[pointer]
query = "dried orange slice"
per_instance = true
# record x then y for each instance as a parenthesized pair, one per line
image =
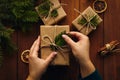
(99, 6)
(25, 55)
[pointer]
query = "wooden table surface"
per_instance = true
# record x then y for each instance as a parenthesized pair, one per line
(109, 67)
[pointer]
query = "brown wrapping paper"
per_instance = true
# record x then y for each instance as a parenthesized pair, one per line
(51, 20)
(89, 12)
(52, 31)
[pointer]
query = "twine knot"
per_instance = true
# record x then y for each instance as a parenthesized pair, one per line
(88, 21)
(51, 44)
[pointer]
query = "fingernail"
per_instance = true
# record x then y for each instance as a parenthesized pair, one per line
(67, 32)
(38, 36)
(63, 36)
(55, 53)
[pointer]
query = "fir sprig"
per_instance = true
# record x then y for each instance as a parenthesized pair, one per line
(93, 21)
(54, 13)
(5, 40)
(44, 9)
(6, 45)
(82, 21)
(59, 40)
(18, 13)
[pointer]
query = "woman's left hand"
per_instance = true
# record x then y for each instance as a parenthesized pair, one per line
(38, 66)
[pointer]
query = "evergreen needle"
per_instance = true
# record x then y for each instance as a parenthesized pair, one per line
(93, 21)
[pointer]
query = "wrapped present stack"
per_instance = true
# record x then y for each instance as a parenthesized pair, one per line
(51, 40)
(50, 11)
(87, 21)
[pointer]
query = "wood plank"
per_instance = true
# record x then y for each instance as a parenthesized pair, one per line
(25, 41)
(109, 67)
(112, 32)
(96, 39)
(69, 9)
(84, 4)
(8, 70)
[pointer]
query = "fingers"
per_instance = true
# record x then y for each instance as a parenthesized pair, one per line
(51, 57)
(35, 47)
(31, 49)
(78, 35)
(68, 40)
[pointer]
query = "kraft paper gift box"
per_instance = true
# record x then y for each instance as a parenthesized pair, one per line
(46, 31)
(87, 21)
(55, 5)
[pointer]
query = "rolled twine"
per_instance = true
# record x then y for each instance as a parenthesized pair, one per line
(88, 23)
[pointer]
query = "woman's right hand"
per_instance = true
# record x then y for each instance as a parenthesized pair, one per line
(80, 50)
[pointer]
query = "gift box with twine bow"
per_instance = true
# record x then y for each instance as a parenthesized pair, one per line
(50, 41)
(87, 21)
(51, 11)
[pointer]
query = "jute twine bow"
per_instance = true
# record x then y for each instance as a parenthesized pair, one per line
(50, 43)
(88, 19)
(110, 48)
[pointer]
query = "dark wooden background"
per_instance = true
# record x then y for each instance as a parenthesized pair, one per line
(109, 67)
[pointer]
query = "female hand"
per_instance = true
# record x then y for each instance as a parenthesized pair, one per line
(38, 66)
(80, 50)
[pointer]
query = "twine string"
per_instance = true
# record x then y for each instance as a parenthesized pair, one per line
(88, 23)
(49, 42)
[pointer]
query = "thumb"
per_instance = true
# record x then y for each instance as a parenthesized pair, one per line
(68, 40)
(50, 58)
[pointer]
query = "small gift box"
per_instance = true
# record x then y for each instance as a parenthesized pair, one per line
(50, 41)
(50, 11)
(87, 21)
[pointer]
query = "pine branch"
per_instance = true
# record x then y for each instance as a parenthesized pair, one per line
(54, 13)
(59, 40)
(18, 12)
(44, 9)
(93, 21)
(82, 21)
(6, 44)
(5, 40)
